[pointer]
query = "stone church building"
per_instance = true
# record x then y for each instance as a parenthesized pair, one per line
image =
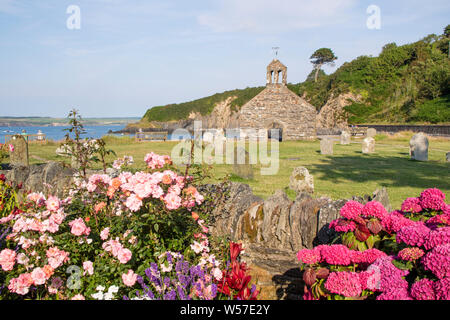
(277, 107)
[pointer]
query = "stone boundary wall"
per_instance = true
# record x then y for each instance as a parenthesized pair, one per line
(434, 130)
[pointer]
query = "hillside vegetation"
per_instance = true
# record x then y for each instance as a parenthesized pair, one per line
(404, 84)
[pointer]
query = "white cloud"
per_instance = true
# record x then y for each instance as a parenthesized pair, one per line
(275, 15)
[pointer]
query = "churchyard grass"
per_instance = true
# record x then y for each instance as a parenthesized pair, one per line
(346, 173)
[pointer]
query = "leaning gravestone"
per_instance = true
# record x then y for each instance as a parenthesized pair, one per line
(241, 164)
(19, 155)
(301, 180)
(326, 146)
(418, 147)
(371, 132)
(368, 145)
(345, 138)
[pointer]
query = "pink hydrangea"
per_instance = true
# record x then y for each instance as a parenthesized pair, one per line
(411, 205)
(390, 277)
(367, 257)
(437, 237)
(423, 290)
(351, 210)
(442, 289)
(441, 219)
(395, 221)
(411, 254)
(342, 225)
(438, 261)
(395, 294)
(308, 256)
(414, 235)
(344, 283)
(433, 199)
(374, 209)
(336, 254)
(446, 210)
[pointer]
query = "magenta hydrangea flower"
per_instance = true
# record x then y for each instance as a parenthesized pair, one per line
(395, 221)
(411, 205)
(433, 199)
(438, 261)
(414, 235)
(443, 219)
(395, 294)
(336, 254)
(351, 210)
(442, 289)
(437, 237)
(344, 283)
(446, 210)
(374, 209)
(423, 290)
(309, 256)
(342, 225)
(411, 254)
(390, 277)
(367, 257)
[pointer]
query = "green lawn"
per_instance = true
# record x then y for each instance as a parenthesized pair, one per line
(348, 172)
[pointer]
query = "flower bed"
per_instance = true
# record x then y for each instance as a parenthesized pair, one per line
(130, 235)
(402, 255)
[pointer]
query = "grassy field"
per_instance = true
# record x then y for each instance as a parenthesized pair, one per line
(346, 173)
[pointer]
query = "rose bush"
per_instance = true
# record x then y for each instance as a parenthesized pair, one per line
(402, 255)
(107, 234)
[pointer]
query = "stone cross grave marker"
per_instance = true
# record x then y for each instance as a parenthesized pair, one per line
(301, 180)
(368, 145)
(418, 147)
(19, 156)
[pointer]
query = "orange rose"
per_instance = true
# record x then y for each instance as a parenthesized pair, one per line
(116, 183)
(48, 270)
(99, 206)
(166, 179)
(195, 215)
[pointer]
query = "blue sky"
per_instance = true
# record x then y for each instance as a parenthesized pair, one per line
(129, 55)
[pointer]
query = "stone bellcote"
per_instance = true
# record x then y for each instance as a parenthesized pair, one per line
(273, 73)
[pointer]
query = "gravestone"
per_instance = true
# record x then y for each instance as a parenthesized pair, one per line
(326, 146)
(448, 156)
(368, 145)
(371, 132)
(345, 138)
(241, 164)
(418, 147)
(301, 180)
(208, 137)
(19, 155)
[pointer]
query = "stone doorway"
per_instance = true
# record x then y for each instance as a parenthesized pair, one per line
(275, 129)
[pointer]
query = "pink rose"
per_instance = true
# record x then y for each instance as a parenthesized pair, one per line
(78, 297)
(7, 259)
(104, 234)
(124, 255)
(52, 203)
(88, 267)
(39, 277)
(130, 278)
(78, 227)
(172, 201)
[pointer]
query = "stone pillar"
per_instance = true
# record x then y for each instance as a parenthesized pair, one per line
(448, 156)
(345, 138)
(418, 147)
(368, 145)
(301, 180)
(19, 155)
(326, 146)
